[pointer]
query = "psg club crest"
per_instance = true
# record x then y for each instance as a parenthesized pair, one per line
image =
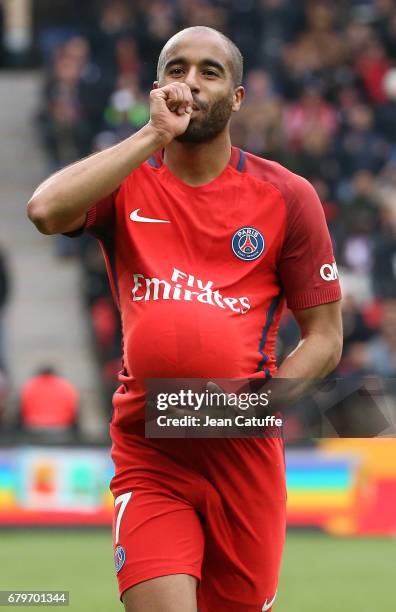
(119, 558)
(248, 243)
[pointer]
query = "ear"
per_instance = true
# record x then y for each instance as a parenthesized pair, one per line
(239, 94)
(155, 85)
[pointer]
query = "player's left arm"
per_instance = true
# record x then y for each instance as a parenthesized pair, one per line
(309, 278)
(316, 355)
(319, 350)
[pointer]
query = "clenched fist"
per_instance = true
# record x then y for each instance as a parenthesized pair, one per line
(170, 110)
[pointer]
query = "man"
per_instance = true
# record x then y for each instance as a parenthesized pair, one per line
(49, 403)
(201, 242)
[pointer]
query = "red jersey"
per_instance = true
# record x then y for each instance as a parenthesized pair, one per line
(200, 274)
(41, 394)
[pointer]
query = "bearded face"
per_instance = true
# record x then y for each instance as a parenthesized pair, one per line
(208, 121)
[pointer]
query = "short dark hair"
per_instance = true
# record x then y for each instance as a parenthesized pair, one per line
(236, 59)
(46, 370)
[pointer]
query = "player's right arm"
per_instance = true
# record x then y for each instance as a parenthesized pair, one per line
(60, 204)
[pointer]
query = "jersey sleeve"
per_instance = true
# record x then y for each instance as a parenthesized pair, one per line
(99, 219)
(307, 268)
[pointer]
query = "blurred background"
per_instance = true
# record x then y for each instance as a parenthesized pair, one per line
(321, 99)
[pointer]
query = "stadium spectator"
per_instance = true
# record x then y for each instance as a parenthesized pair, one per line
(386, 112)
(381, 349)
(355, 326)
(127, 110)
(360, 225)
(116, 23)
(309, 126)
(385, 22)
(65, 132)
(311, 114)
(317, 50)
(384, 254)
(360, 146)
(372, 66)
(258, 127)
(356, 361)
(49, 404)
(159, 22)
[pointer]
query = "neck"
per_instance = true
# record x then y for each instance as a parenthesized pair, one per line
(198, 164)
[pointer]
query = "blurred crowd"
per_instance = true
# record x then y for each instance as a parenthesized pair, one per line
(320, 79)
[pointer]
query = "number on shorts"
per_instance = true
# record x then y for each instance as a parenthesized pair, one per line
(123, 500)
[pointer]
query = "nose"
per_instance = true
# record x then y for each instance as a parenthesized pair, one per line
(191, 79)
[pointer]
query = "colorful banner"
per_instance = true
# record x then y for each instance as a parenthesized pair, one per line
(345, 487)
(55, 486)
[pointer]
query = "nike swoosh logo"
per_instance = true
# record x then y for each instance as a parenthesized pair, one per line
(134, 216)
(266, 605)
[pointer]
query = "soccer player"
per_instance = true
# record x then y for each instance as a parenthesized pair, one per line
(203, 244)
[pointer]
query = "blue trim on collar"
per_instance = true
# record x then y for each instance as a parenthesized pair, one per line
(242, 159)
(153, 162)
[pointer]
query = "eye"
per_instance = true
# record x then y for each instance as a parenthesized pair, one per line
(176, 71)
(209, 72)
